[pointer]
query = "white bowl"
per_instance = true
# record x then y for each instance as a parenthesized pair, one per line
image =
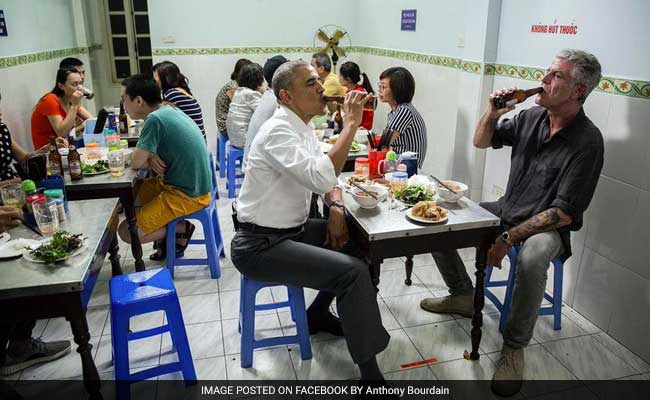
(447, 195)
(361, 136)
(366, 201)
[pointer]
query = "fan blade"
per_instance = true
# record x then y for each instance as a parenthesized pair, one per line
(322, 36)
(339, 51)
(338, 35)
(325, 49)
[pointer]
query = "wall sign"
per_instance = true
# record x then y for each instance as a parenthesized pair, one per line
(408, 20)
(3, 24)
(555, 28)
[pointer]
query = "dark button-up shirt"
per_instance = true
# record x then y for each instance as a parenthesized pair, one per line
(559, 171)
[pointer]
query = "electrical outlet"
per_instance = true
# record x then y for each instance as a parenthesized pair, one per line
(169, 39)
(498, 191)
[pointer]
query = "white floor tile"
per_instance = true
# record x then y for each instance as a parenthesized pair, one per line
(266, 326)
(400, 351)
(230, 303)
(387, 317)
(142, 353)
(622, 352)
(408, 313)
(544, 329)
(65, 367)
(588, 359)
(331, 360)
(289, 328)
(200, 308)
(443, 340)
(205, 341)
(209, 369)
(272, 364)
(230, 279)
(391, 283)
(430, 276)
(580, 320)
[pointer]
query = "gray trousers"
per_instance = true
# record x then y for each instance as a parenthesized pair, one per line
(533, 261)
(300, 259)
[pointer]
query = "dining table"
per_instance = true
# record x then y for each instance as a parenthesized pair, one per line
(386, 232)
(106, 185)
(32, 290)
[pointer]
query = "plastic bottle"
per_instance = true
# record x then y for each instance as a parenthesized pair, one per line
(390, 164)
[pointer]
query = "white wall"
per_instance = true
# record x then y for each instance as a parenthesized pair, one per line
(607, 279)
(22, 86)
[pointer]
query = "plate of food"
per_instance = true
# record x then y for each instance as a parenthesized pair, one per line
(358, 179)
(413, 194)
(427, 212)
(61, 246)
(14, 248)
(357, 147)
(4, 237)
(100, 167)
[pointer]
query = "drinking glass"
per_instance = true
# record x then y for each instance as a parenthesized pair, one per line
(116, 162)
(47, 217)
(13, 195)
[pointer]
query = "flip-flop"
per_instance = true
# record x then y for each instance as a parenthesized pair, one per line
(161, 252)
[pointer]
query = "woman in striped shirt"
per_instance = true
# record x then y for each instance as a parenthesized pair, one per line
(397, 87)
(175, 90)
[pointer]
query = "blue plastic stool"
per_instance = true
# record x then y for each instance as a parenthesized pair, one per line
(247, 308)
(235, 160)
(213, 240)
(221, 154)
(142, 293)
(555, 309)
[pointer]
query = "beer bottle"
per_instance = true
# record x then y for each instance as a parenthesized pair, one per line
(123, 121)
(74, 161)
(516, 97)
(338, 120)
(369, 105)
(54, 159)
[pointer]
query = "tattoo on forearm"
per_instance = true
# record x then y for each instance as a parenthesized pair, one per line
(545, 221)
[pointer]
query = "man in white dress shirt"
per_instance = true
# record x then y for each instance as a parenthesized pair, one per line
(277, 242)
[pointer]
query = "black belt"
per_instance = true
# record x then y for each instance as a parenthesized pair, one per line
(252, 228)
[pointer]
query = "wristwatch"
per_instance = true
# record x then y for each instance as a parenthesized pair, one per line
(337, 204)
(505, 236)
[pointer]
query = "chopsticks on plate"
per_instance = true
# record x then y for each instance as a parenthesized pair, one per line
(369, 193)
(31, 228)
(443, 185)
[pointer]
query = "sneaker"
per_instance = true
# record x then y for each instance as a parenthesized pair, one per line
(38, 352)
(509, 373)
(326, 322)
(463, 305)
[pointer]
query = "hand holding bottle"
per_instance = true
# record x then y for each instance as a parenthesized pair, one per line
(75, 100)
(353, 107)
(492, 109)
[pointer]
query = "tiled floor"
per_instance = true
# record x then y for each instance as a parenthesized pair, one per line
(580, 351)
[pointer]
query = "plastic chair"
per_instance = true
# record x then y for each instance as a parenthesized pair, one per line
(213, 240)
(142, 293)
(555, 309)
(235, 160)
(247, 308)
(221, 154)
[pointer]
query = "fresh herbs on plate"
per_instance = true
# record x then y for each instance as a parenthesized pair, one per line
(61, 246)
(99, 166)
(412, 194)
(355, 147)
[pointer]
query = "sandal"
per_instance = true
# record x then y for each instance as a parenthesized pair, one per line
(161, 245)
(189, 231)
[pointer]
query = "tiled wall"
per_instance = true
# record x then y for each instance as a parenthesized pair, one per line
(608, 277)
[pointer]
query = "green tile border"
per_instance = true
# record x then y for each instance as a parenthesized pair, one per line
(620, 86)
(14, 61)
(190, 51)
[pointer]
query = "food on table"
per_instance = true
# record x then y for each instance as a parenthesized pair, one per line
(99, 166)
(451, 185)
(429, 211)
(355, 147)
(62, 245)
(358, 179)
(361, 193)
(413, 194)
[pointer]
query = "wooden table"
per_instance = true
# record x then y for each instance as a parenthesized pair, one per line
(39, 291)
(386, 233)
(106, 186)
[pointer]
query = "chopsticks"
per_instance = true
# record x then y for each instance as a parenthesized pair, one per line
(387, 138)
(443, 185)
(371, 140)
(31, 228)
(363, 189)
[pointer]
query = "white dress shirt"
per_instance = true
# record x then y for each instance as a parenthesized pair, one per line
(285, 165)
(242, 107)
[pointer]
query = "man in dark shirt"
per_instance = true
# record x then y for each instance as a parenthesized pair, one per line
(557, 156)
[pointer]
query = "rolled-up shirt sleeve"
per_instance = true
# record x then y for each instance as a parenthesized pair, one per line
(578, 184)
(287, 152)
(505, 132)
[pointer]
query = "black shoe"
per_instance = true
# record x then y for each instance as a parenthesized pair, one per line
(37, 352)
(324, 322)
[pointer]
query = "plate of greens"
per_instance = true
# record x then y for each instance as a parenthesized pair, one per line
(100, 167)
(61, 246)
(413, 194)
(357, 147)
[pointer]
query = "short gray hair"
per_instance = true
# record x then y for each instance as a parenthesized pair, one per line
(285, 74)
(323, 60)
(586, 70)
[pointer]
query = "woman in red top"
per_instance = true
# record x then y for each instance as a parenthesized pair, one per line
(57, 112)
(352, 78)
